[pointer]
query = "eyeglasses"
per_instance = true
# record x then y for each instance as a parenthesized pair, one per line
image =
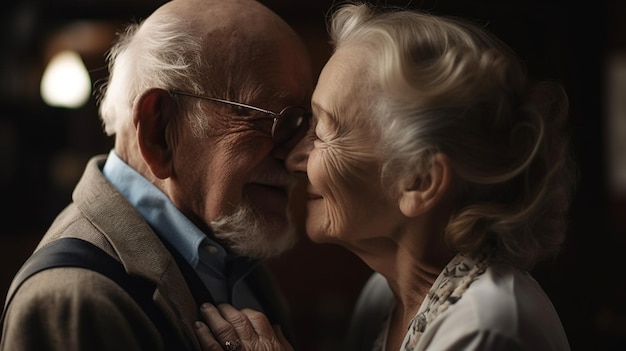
(289, 123)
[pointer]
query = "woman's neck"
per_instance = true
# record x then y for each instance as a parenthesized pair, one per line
(411, 263)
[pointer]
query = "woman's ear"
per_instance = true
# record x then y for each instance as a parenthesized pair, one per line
(421, 192)
(152, 115)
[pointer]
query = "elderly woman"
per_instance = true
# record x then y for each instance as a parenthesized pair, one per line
(433, 158)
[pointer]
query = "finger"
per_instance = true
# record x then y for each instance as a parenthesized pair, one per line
(207, 342)
(221, 329)
(239, 321)
(282, 339)
(259, 322)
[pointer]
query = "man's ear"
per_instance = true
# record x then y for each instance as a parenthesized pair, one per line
(421, 192)
(152, 115)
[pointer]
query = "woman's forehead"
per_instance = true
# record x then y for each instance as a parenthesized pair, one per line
(342, 85)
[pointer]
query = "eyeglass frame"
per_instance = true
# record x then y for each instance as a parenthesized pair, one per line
(275, 116)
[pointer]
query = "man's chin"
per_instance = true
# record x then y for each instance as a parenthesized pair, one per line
(259, 247)
(251, 234)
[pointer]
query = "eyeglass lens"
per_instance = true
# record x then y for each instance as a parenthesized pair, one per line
(292, 124)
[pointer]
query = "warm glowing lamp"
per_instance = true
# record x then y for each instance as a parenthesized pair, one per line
(66, 82)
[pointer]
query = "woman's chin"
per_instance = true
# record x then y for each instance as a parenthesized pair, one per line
(323, 237)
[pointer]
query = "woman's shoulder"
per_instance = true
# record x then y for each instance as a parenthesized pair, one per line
(507, 287)
(506, 303)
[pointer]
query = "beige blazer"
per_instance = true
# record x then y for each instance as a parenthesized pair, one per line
(76, 309)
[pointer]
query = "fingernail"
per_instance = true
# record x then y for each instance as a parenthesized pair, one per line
(205, 306)
(197, 324)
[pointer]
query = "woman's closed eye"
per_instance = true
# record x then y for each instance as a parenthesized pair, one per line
(324, 132)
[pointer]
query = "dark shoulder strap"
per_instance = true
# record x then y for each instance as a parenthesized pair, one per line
(74, 252)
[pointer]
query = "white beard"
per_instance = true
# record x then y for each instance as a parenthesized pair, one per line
(245, 233)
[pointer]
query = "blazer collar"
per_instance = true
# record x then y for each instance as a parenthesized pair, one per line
(135, 243)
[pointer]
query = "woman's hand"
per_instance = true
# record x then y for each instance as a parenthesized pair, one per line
(226, 328)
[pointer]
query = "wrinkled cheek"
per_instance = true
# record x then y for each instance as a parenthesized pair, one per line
(333, 177)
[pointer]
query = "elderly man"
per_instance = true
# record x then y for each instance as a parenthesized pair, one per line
(205, 100)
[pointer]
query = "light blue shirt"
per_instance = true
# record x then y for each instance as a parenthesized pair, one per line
(206, 256)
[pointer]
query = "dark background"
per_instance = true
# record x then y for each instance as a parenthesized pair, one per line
(43, 150)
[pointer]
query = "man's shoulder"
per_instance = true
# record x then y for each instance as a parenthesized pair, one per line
(71, 222)
(66, 308)
(61, 287)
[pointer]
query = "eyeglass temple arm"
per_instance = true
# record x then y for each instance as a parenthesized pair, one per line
(224, 102)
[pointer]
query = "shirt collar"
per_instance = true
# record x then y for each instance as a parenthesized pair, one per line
(159, 211)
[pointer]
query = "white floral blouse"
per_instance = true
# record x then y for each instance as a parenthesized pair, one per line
(475, 305)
